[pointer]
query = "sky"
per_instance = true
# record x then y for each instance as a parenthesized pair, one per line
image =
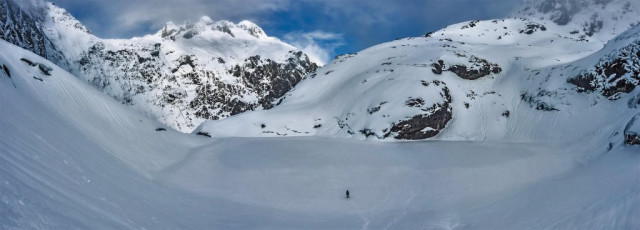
(320, 28)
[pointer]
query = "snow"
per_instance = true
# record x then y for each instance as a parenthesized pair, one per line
(147, 75)
(337, 100)
(73, 158)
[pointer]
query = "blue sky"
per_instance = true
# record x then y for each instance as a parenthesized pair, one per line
(324, 28)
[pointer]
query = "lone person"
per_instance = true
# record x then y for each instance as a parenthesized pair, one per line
(347, 193)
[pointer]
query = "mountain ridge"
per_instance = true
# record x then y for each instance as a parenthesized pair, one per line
(166, 71)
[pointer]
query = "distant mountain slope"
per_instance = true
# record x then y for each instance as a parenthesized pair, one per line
(515, 80)
(591, 19)
(182, 75)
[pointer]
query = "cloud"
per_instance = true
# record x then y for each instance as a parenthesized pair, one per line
(318, 45)
(118, 18)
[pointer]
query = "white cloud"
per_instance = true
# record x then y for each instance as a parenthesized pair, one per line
(123, 17)
(318, 45)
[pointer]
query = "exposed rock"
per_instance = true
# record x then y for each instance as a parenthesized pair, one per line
(533, 27)
(438, 67)
(6, 70)
(506, 114)
(206, 134)
(535, 102)
(478, 68)
(29, 62)
(631, 139)
(426, 125)
(372, 110)
(612, 75)
(632, 132)
(271, 79)
(367, 132)
(415, 102)
(46, 70)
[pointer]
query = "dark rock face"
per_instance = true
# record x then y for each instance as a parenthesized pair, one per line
(438, 67)
(477, 68)
(631, 131)
(427, 125)
(481, 68)
(203, 134)
(271, 79)
(612, 75)
(46, 70)
(22, 29)
(123, 73)
(535, 102)
(533, 27)
(6, 70)
(631, 139)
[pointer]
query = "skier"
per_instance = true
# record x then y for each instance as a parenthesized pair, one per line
(347, 193)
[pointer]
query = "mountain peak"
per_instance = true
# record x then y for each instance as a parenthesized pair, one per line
(187, 30)
(252, 28)
(60, 16)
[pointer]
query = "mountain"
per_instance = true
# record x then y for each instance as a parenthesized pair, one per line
(513, 80)
(74, 158)
(182, 75)
(591, 19)
(531, 121)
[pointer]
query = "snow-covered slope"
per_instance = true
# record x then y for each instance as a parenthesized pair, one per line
(182, 75)
(515, 80)
(73, 158)
(541, 116)
(21, 27)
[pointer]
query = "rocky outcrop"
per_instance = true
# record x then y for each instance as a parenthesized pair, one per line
(631, 139)
(270, 79)
(632, 132)
(477, 68)
(429, 124)
(613, 75)
(532, 28)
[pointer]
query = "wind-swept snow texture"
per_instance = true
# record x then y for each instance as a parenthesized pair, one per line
(73, 158)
